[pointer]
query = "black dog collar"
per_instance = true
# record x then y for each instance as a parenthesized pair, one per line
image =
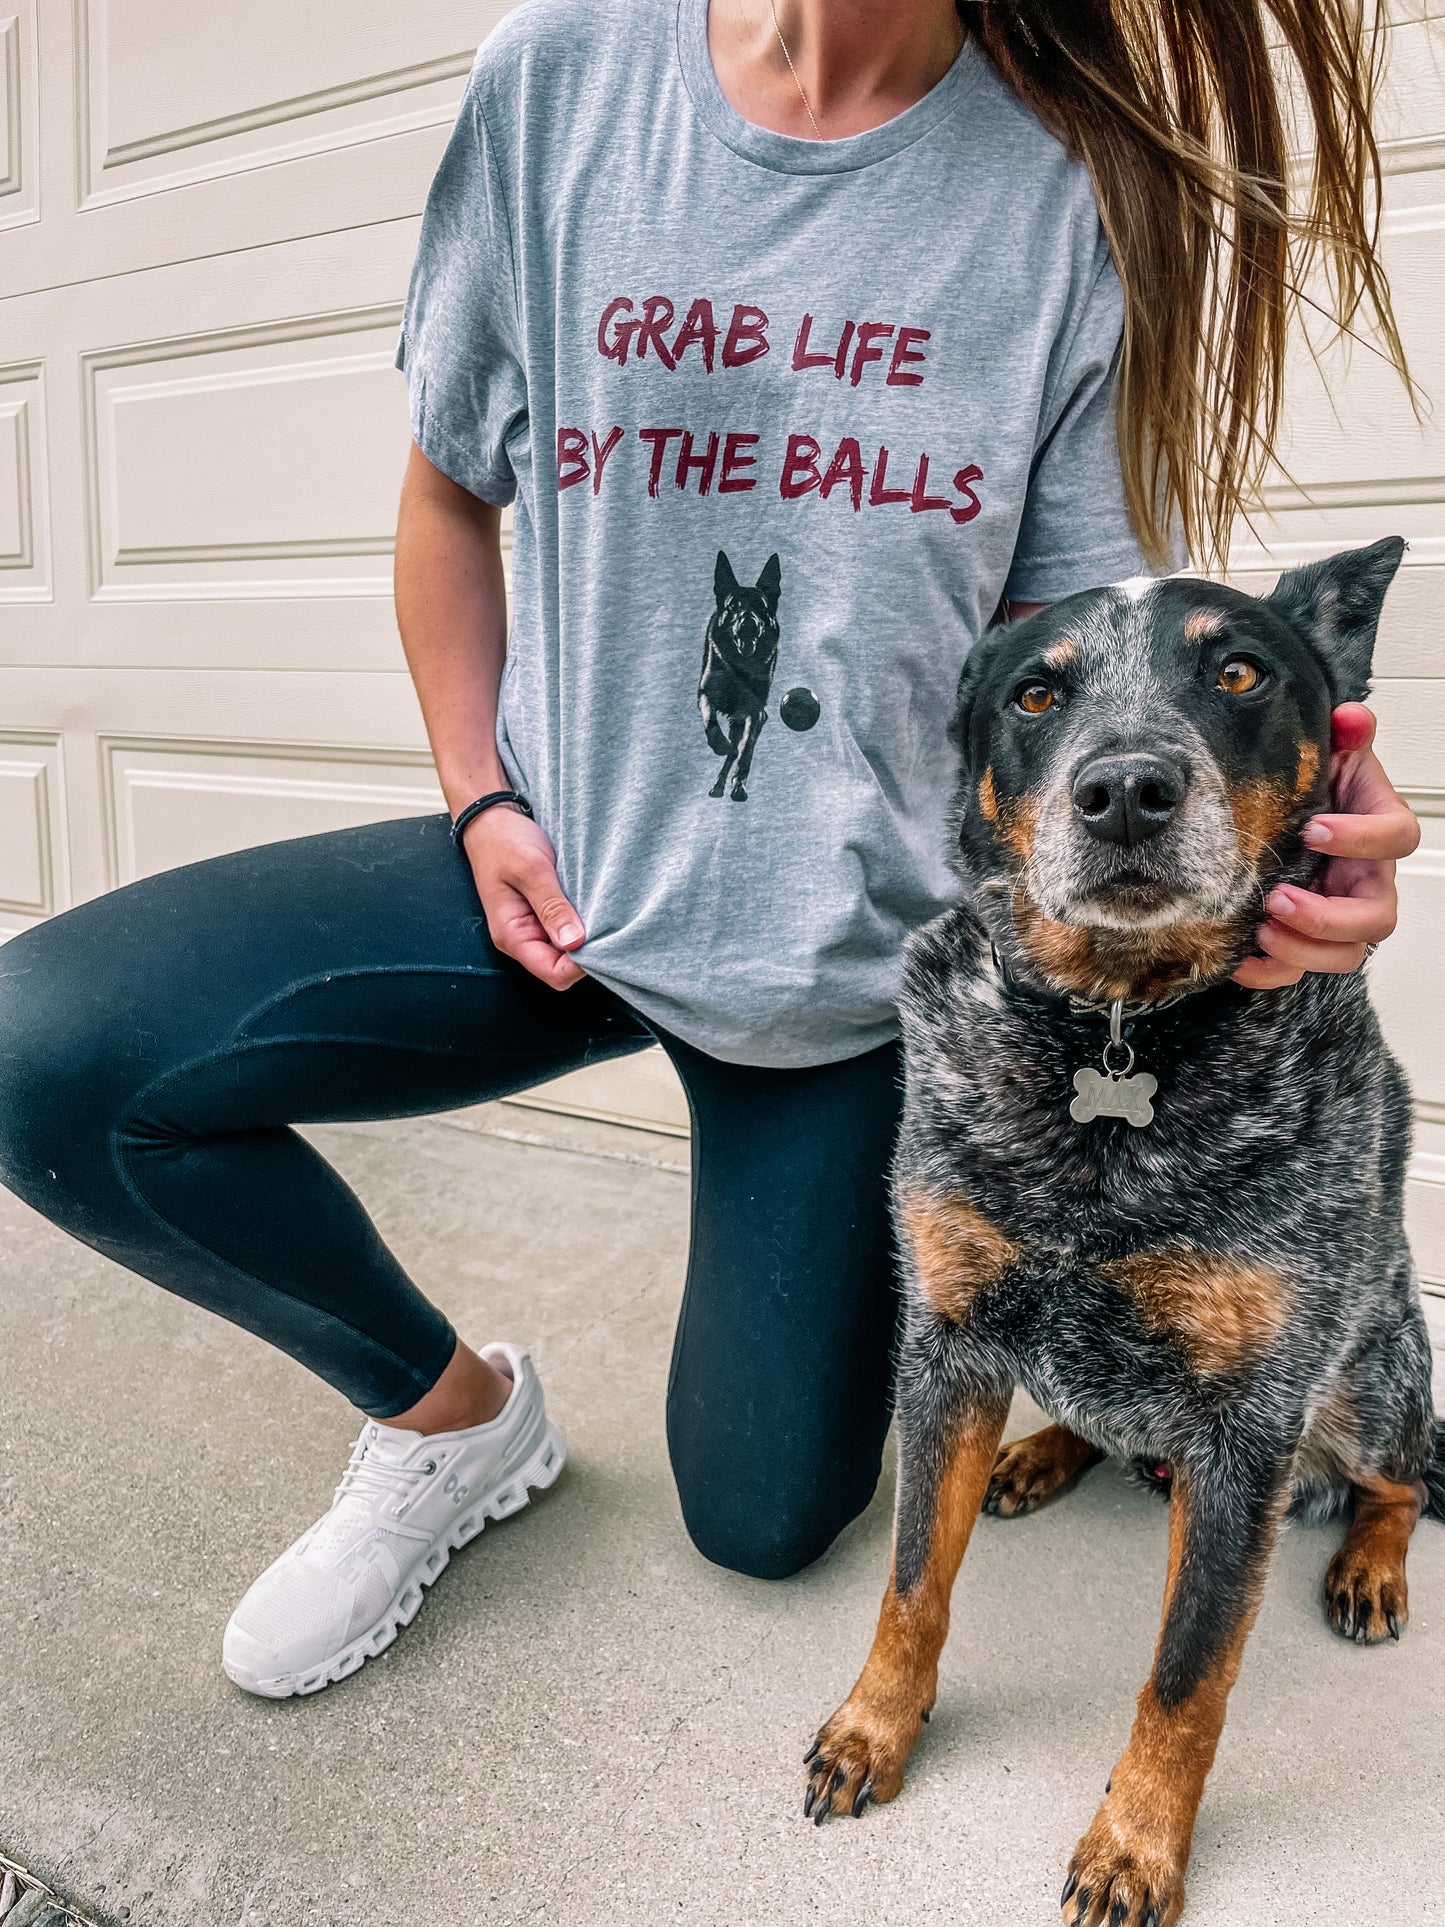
(1092, 1007)
(1116, 1090)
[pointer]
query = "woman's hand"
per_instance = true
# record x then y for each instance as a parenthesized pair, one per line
(515, 870)
(1355, 905)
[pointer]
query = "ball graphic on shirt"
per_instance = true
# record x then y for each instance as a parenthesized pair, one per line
(800, 708)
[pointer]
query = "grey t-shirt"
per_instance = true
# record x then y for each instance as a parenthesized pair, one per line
(782, 421)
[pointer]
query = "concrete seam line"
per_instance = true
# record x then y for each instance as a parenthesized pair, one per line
(19, 1885)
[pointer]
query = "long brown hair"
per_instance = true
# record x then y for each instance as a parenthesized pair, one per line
(1179, 110)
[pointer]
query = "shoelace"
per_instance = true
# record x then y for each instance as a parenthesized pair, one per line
(368, 1477)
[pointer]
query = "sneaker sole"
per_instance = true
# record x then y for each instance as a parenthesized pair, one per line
(535, 1475)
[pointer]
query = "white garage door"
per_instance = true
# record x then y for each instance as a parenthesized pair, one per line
(207, 216)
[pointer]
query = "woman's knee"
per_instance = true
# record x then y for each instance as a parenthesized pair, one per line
(767, 1526)
(58, 1058)
(759, 1549)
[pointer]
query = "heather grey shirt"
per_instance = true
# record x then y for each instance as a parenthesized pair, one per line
(664, 333)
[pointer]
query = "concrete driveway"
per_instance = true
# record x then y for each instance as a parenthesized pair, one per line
(588, 1725)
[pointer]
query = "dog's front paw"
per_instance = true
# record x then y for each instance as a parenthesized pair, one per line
(1366, 1598)
(1121, 1877)
(858, 1756)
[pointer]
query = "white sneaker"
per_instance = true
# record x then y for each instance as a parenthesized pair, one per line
(406, 1502)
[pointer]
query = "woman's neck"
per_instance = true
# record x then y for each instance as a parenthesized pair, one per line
(858, 62)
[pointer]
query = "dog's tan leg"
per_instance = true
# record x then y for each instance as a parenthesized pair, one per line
(861, 1752)
(1033, 1469)
(1366, 1598)
(1128, 1870)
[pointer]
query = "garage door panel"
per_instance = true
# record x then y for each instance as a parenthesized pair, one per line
(173, 132)
(170, 801)
(19, 117)
(367, 186)
(258, 84)
(24, 496)
(110, 724)
(1405, 976)
(249, 463)
(32, 858)
(1412, 730)
(1318, 519)
(1357, 462)
(1414, 86)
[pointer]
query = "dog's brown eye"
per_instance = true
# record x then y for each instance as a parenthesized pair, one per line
(1237, 677)
(1035, 697)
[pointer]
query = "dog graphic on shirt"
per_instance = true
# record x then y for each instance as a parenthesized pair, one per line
(739, 656)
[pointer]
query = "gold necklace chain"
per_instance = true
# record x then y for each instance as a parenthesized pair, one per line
(802, 92)
(802, 96)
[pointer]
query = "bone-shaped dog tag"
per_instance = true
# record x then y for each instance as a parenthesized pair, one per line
(1102, 1096)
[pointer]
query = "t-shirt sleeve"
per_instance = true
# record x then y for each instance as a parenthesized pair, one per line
(1075, 533)
(460, 340)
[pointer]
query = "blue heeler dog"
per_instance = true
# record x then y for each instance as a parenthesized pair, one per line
(1197, 1266)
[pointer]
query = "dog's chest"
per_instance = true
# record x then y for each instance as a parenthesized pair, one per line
(1124, 1272)
(1033, 1123)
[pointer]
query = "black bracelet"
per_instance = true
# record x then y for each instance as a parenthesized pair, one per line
(465, 816)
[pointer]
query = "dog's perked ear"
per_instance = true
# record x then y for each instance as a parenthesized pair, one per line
(724, 582)
(1335, 604)
(770, 583)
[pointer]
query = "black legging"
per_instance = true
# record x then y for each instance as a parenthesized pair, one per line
(156, 1044)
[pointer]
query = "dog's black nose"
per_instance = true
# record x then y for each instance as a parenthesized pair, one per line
(1128, 799)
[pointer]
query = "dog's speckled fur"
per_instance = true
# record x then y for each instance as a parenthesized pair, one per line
(1224, 1297)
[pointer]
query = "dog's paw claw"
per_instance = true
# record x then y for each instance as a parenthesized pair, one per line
(857, 1760)
(1119, 1878)
(1033, 1469)
(1366, 1600)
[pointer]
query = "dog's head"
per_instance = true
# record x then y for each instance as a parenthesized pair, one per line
(1138, 762)
(747, 617)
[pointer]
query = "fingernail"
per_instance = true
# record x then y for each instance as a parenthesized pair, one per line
(1279, 903)
(570, 933)
(1317, 835)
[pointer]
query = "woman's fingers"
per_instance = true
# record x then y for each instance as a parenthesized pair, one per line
(528, 914)
(1366, 915)
(1352, 728)
(1380, 836)
(1366, 833)
(533, 873)
(1308, 930)
(518, 932)
(1370, 819)
(1308, 953)
(1264, 973)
